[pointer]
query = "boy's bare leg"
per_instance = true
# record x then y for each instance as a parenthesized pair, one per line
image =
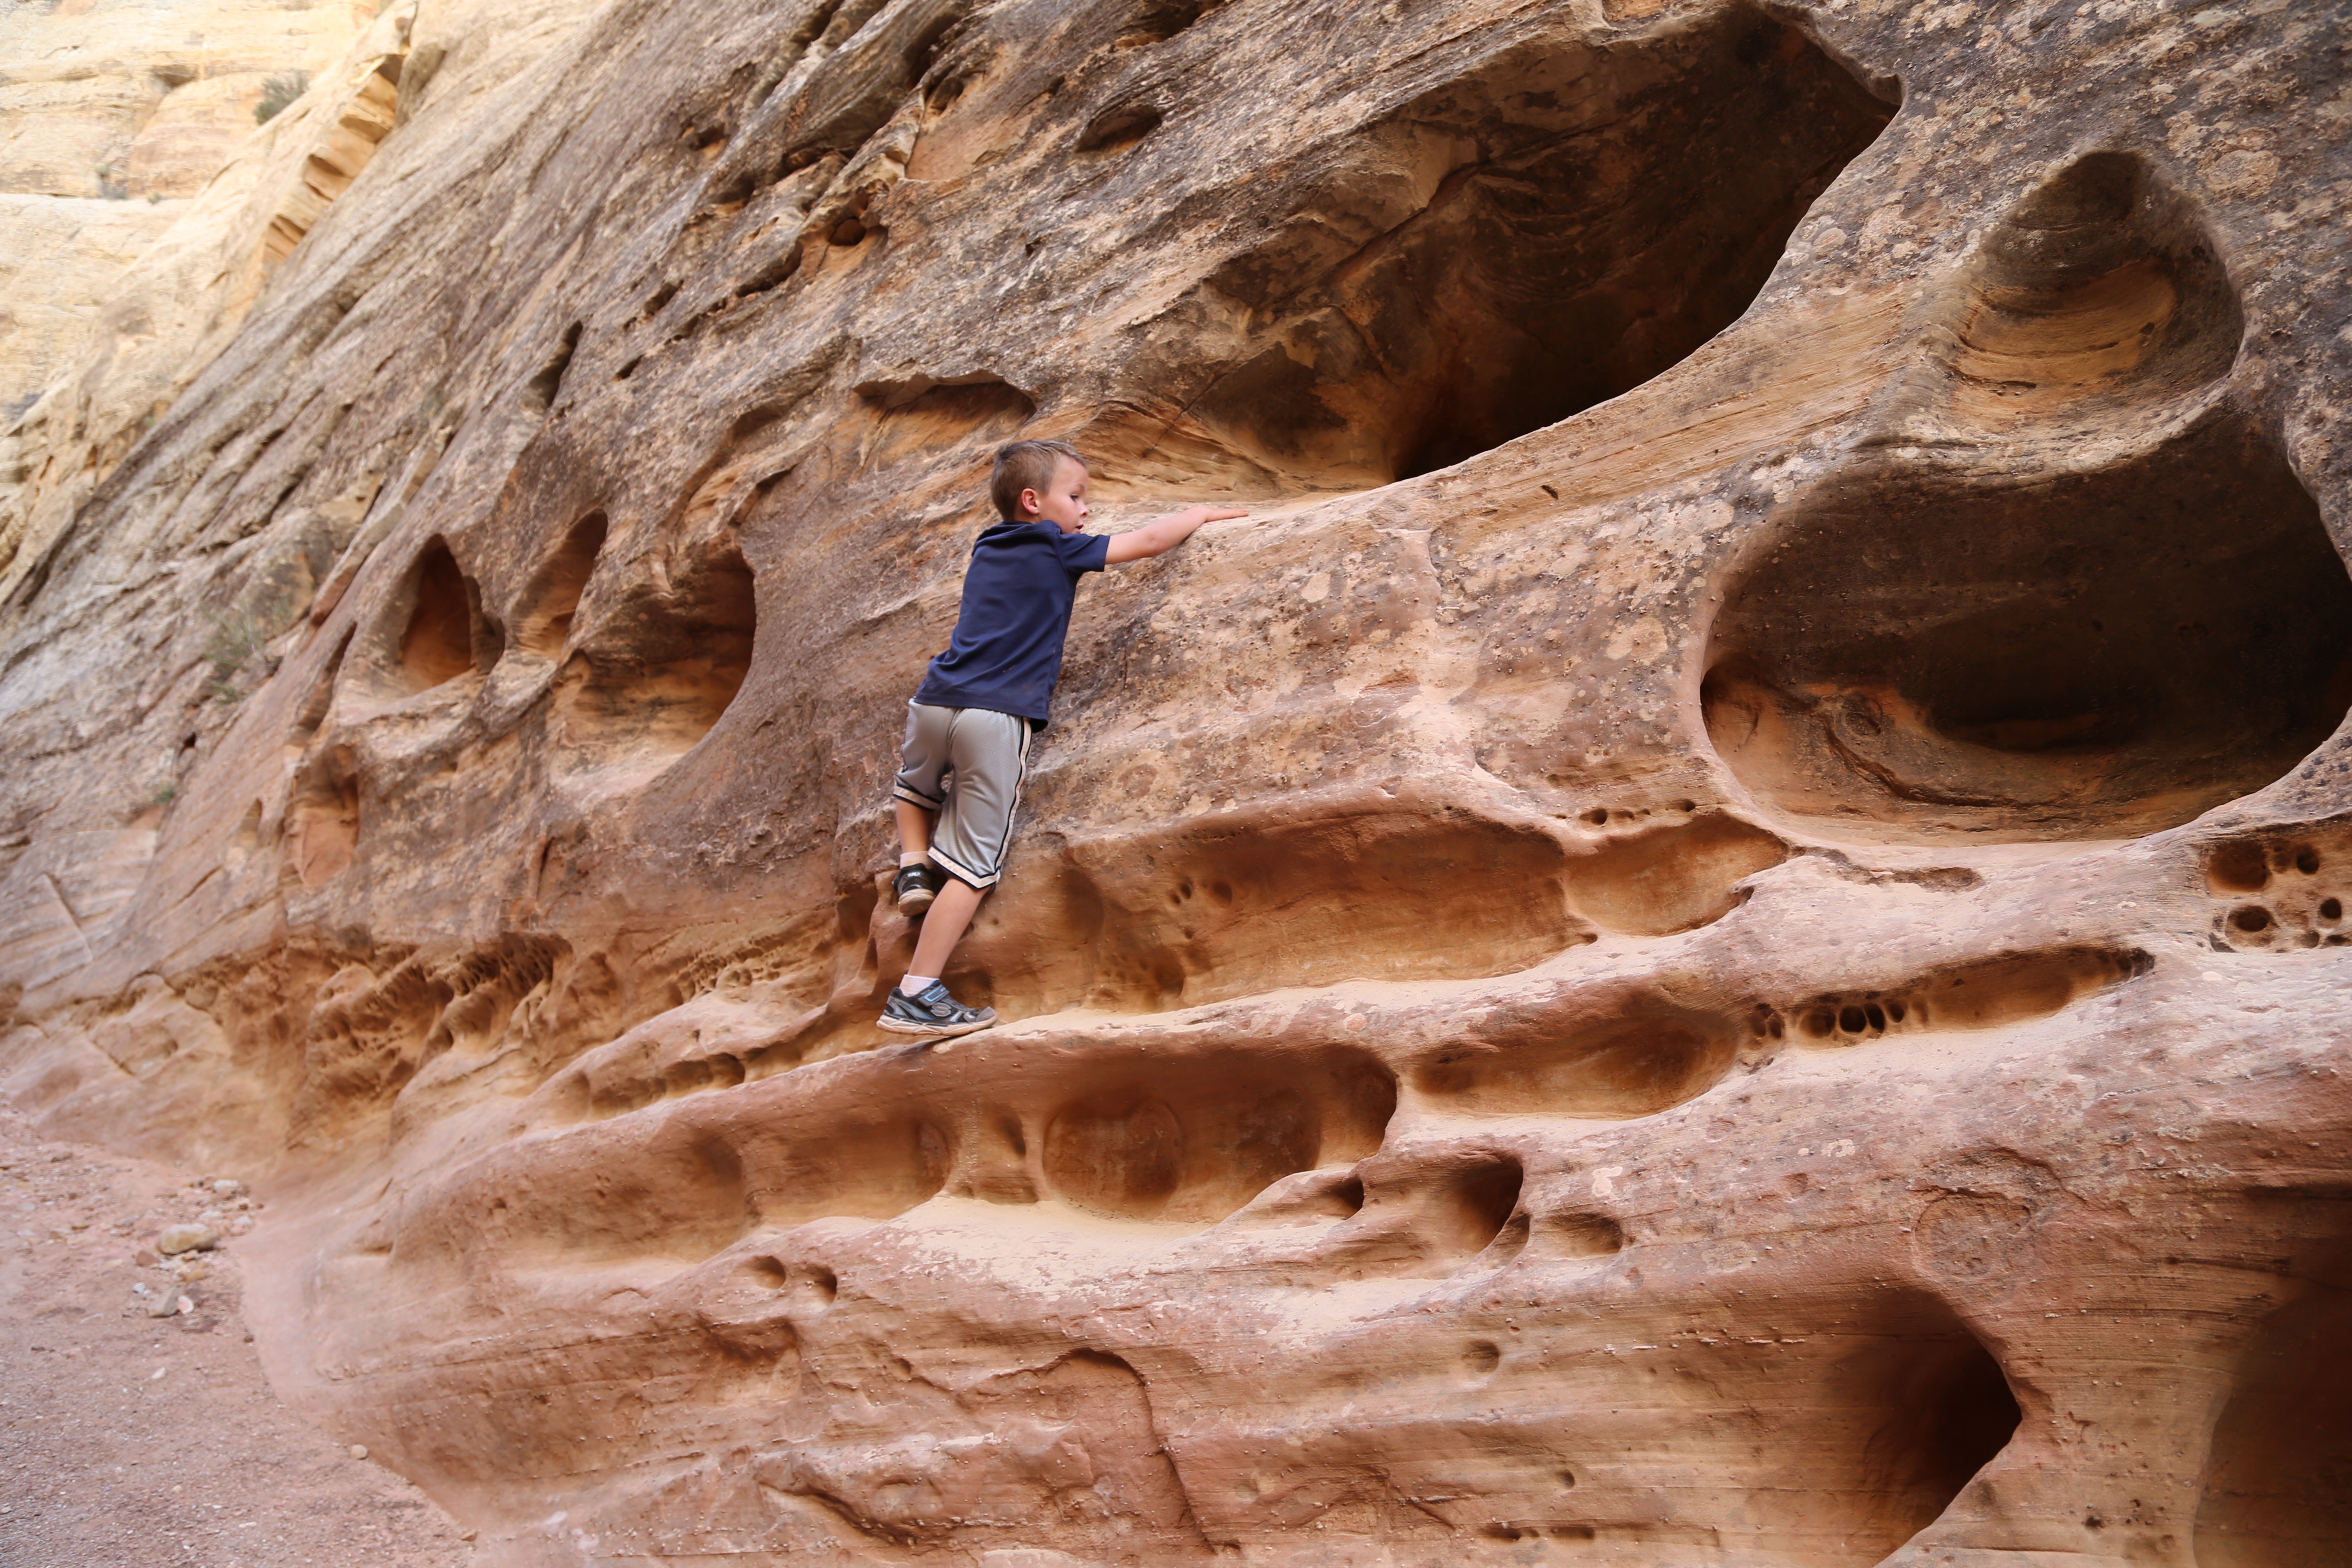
(914, 829)
(944, 926)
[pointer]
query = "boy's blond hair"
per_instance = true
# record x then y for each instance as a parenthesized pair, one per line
(1026, 466)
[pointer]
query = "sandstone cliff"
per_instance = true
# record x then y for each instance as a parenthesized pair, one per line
(1715, 937)
(112, 115)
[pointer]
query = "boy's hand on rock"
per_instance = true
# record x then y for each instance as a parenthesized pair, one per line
(1163, 534)
(1192, 516)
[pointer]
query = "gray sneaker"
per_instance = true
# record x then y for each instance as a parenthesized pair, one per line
(933, 1012)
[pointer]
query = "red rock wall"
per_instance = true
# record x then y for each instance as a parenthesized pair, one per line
(1711, 939)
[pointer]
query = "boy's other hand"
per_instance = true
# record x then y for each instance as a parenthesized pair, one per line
(1163, 534)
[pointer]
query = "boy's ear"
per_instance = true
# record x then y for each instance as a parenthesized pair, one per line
(1031, 504)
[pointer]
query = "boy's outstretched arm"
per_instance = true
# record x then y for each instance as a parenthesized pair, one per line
(1163, 534)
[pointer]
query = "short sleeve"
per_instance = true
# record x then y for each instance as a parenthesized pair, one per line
(1083, 552)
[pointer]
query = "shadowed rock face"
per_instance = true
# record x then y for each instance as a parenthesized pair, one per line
(1710, 940)
(1923, 657)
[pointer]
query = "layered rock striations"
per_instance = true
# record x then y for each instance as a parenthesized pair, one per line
(1713, 938)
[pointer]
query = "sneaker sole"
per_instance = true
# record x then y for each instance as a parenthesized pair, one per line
(916, 903)
(940, 1031)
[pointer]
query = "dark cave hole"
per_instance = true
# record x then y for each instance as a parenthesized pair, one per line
(1914, 657)
(437, 645)
(1348, 1196)
(446, 635)
(1953, 1414)
(1546, 231)
(1477, 1210)
(1116, 130)
(1905, 1419)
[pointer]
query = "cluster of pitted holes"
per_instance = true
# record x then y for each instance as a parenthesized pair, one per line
(1220, 889)
(1992, 994)
(2253, 917)
(1863, 1020)
(815, 1285)
(1600, 816)
(2254, 924)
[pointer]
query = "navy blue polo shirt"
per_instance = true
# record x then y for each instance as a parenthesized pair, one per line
(1006, 653)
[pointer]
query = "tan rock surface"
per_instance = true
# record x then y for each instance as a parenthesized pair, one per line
(185, 296)
(64, 255)
(136, 104)
(1713, 938)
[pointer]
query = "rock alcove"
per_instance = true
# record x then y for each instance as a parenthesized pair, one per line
(2095, 301)
(1549, 229)
(443, 632)
(1925, 653)
(664, 658)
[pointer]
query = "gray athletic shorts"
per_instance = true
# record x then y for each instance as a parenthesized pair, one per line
(967, 764)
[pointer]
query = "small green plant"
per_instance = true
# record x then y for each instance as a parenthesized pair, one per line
(279, 91)
(165, 795)
(235, 639)
(112, 183)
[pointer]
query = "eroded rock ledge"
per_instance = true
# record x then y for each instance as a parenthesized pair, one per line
(1713, 938)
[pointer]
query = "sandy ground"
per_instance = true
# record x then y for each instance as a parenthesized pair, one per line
(133, 1441)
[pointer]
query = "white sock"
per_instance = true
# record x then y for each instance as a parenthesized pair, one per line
(915, 985)
(905, 858)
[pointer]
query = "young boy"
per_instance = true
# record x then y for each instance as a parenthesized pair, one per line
(968, 728)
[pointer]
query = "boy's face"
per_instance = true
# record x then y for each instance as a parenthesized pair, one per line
(1063, 503)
